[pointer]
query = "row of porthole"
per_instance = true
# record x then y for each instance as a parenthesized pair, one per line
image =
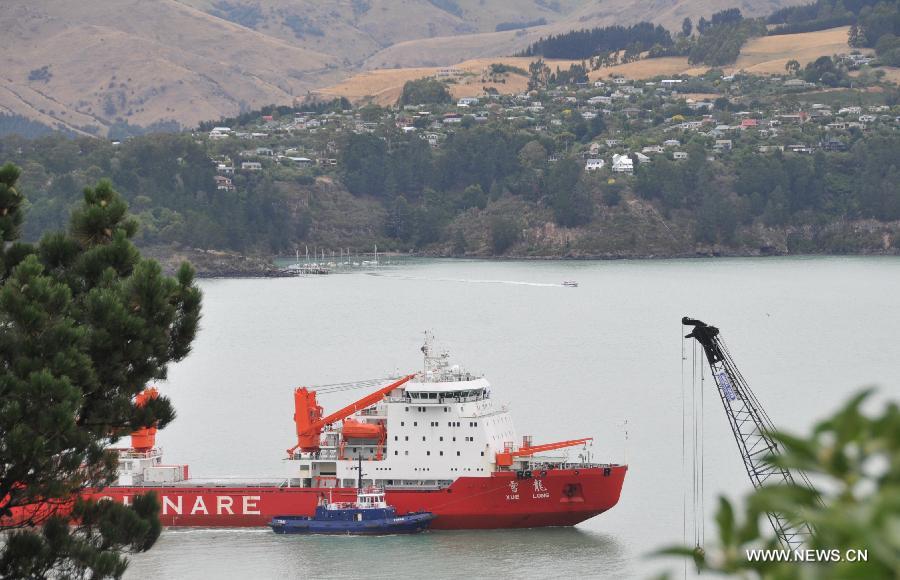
(437, 424)
(428, 453)
(441, 438)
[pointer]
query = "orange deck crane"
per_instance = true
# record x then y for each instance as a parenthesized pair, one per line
(309, 421)
(505, 457)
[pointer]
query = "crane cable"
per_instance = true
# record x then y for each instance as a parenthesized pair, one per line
(697, 448)
(683, 450)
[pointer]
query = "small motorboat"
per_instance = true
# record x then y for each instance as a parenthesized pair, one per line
(570, 283)
(368, 515)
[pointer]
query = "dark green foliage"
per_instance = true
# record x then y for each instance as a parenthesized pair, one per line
(18, 125)
(10, 203)
(503, 26)
(825, 71)
(576, 73)
(87, 324)
(722, 38)
(775, 187)
(499, 68)
(586, 43)
(870, 19)
(42, 74)
(363, 164)
(505, 232)
(854, 507)
(424, 91)
(888, 50)
(572, 205)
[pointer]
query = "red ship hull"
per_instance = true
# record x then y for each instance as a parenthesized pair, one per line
(562, 497)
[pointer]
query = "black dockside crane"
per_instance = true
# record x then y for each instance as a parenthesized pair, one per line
(751, 427)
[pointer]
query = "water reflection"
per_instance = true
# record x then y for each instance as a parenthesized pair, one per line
(553, 552)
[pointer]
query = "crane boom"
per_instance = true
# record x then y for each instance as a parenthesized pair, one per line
(308, 414)
(505, 458)
(750, 426)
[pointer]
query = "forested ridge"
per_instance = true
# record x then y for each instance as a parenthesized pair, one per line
(501, 177)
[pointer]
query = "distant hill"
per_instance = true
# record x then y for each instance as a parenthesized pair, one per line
(113, 66)
(764, 55)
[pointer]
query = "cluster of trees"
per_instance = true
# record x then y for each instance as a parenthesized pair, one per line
(818, 15)
(718, 41)
(426, 91)
(425, 189)
(721, 38)
(87, 324)
(12, 124)
(826, 71)
(167, 180)
(777, 189)
(504, 26)
(317, 106)
(586, 43)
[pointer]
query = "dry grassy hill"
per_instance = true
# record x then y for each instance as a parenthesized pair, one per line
(91, 64)
(142, 62)
(445, 50)
(761, 55)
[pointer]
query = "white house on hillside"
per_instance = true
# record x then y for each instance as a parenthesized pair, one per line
(622, 164)
(594, 164)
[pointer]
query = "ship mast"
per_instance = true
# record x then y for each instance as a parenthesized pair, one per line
(751, 428)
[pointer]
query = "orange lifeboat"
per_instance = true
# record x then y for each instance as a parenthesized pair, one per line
(144, 439)
(357, 430)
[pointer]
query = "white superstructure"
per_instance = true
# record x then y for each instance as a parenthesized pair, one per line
(439, 426)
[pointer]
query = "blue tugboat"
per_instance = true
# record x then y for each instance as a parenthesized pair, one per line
(368, 515)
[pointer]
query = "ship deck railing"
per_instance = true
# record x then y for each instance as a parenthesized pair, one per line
(132, 454)
(220, 482)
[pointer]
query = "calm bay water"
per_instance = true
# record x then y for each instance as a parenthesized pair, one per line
(572, 362)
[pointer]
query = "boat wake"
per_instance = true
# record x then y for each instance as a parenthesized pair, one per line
(466, 280)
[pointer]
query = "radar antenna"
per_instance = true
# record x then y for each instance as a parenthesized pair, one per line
(751, 427)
